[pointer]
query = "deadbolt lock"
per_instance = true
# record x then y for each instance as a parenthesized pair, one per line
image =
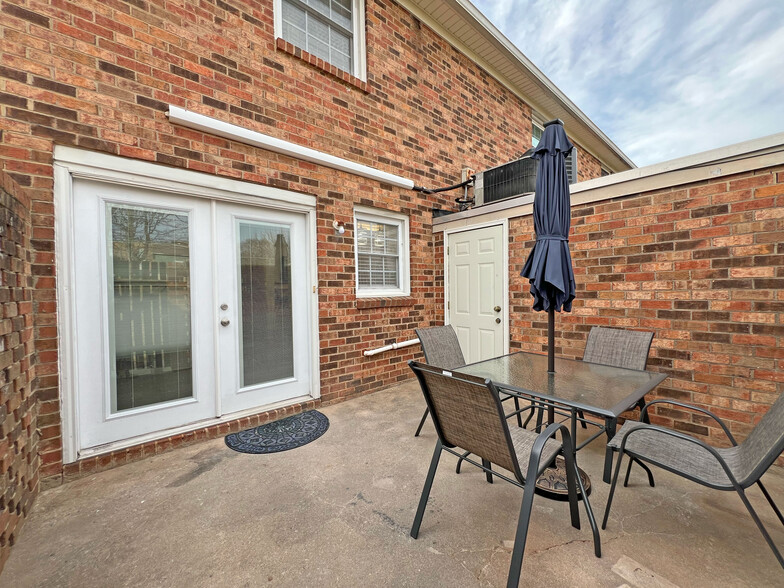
(498, 321)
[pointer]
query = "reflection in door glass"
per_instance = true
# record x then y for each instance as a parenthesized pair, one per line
(149, 306)
(266, 341)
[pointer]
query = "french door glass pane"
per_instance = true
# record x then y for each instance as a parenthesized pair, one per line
(267, 346)
(149, 306)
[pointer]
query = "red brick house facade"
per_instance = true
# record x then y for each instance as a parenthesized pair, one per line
(95, 80)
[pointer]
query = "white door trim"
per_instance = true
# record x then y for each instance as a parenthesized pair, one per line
(70, 163)
(504, 224)
(144, 174)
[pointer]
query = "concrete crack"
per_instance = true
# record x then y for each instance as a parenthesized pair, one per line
(564, 544)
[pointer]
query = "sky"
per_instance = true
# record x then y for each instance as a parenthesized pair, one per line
(663, 79)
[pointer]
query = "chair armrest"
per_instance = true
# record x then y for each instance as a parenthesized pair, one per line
(536, 451)
(683, 437)
(726, 430)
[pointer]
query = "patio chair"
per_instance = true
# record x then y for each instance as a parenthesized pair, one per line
(624, 349)
(442, 349)
(467, 413)
(616, 348)
(733, 468)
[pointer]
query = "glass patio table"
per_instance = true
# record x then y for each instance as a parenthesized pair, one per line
(576, 386)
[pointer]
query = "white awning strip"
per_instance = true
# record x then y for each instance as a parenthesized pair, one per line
(213, 126)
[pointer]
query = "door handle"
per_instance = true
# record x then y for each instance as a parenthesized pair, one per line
(498, 321)
(225, 322)
(497, 309)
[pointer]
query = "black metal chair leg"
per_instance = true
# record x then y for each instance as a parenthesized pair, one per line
(426, 490)
(571, 486)
(646, 419)
(573, 427)
(460, 461)
(520, 536)
(648, 471)
(581, 414)
(517, 410)
(488, 475)
(770, 501)
(609, 430)
(539, 417)
(422, 422)
(597, 542)
(612, 491)
(628, 471)
(530, 416)
(760, 526)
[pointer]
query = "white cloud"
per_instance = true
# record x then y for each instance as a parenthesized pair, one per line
(662, 79)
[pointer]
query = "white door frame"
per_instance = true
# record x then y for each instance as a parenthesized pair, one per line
(70, 163)
(504, 224)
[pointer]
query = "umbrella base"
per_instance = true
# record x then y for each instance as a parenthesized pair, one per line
(552, 483)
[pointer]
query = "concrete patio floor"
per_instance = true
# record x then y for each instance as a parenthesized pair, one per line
(338, 512)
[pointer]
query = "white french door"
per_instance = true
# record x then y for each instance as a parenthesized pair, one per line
(262, 300)
(186, 309)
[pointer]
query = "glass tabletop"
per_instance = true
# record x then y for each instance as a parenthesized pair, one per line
(591, 387)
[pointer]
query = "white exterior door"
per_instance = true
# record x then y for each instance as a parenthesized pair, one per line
(476, 295)
(151, 273)
(263, 294)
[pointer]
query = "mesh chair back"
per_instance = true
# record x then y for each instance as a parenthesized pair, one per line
(763, 445)
(618, 347)
(441, 347)
(467, 413)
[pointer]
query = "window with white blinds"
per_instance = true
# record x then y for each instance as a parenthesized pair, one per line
(381, 253)
(332, 30)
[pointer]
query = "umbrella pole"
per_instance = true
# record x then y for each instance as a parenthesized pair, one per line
(551, 341)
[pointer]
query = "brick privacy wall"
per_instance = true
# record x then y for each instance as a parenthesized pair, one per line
(701, 265)
(19, 461)
(99, 75)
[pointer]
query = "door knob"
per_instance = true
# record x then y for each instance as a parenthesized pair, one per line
(225, 322)
(498, 321)
(497, 309)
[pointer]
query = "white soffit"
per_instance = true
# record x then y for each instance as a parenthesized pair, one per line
(465, 27)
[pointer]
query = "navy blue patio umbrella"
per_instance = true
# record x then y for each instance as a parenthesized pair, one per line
(549, 265)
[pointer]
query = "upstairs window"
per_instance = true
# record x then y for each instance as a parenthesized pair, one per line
(381, 251)
(332, 30)
(536, 134)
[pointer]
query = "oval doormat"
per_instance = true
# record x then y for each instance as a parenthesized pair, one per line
(294, 431)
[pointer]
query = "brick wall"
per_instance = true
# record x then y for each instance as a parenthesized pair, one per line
(99, 75)
(701, 265)
(18, 409)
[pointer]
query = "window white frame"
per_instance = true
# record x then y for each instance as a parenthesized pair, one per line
(404, 265)
(359, 53)
(536, 124)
